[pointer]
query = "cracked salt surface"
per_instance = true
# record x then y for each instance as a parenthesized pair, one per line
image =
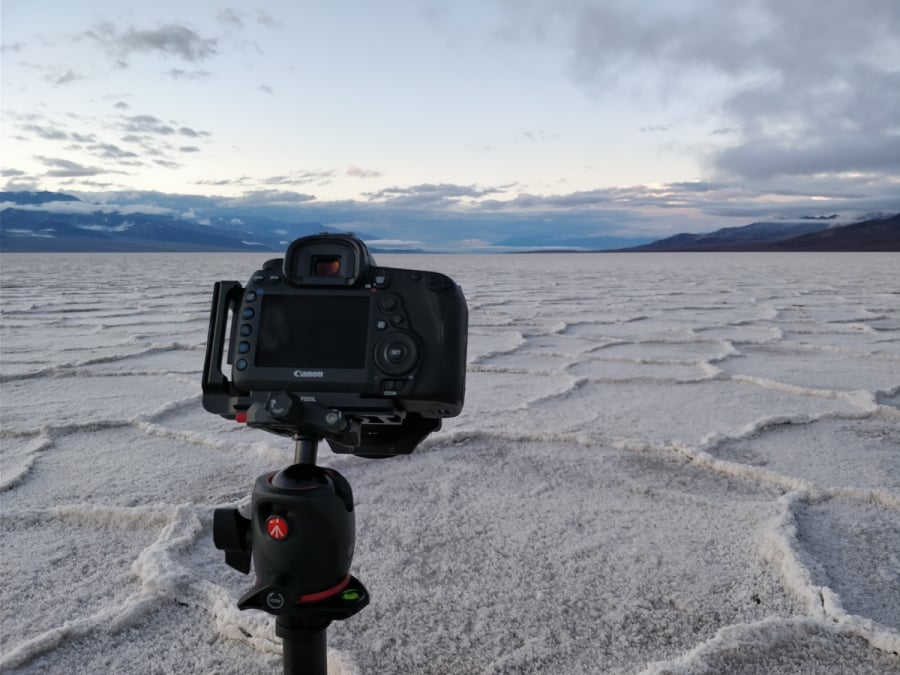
(666, 464)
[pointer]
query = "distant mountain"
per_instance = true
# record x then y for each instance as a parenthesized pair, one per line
(53, 222)
(561, 242)
(151, 221)
(36, 197)
(881, 234)
(753, 235)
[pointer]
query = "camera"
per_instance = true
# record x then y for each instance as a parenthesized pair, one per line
(325, 342)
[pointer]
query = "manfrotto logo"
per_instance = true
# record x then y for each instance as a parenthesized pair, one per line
(309, 373)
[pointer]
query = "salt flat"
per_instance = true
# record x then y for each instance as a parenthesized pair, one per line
(666, 464)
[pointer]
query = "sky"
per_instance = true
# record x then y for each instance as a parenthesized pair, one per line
(608, 116)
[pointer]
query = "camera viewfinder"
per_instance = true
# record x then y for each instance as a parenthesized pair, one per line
(326, 266)
(326, 260)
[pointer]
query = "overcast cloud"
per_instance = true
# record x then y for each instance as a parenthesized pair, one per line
(811, 86)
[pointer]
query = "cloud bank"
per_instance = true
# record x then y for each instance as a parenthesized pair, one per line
(808, 86)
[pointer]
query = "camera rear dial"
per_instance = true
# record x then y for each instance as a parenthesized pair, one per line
(396, 353)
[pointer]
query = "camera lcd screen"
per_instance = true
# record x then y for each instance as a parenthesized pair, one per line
(313, 331)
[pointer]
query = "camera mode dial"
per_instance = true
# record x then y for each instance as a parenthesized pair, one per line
(396, 353)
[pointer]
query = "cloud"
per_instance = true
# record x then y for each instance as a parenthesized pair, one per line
(539, 136)
(65, 78)
(225, 182)
(89, 207)
(64, 168)
(804, 87)
(300, 177)
(149, 124)
(800, 196)
(170, 40)
(359, 172)
(146, 124)
(704, 205)
(429, 194)
(396, 243)
(637, 211)
(269, 198)
(110, 151)
(167, 164)
(83, 183)
(263, 18)
(193, 133)
(654, 128)
(767, 157)
(45, 132)
(190, 75)
(23, 183)
(231, 18)
(237, 19)
(52, 131)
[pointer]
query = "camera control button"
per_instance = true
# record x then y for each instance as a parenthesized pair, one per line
(241, 364)
(389, 303)
(381, 324)
(243, 347)
(392, 385)
(397, 320)
(248, 313)
(246, 329)
(259, 277)
(438, 281)
(274, 278)
(396, 353)
(381, 280)
(250, 296)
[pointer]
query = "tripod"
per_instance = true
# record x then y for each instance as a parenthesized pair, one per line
(300, 536)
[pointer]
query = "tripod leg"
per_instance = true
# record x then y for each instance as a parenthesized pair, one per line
(304, 646)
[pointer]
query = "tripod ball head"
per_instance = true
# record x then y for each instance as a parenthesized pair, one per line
(302, 533)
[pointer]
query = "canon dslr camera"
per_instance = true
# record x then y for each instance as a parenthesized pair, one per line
(326, 343)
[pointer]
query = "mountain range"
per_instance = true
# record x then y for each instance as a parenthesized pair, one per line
(874, 234)
(56, 222)
(52, 222)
